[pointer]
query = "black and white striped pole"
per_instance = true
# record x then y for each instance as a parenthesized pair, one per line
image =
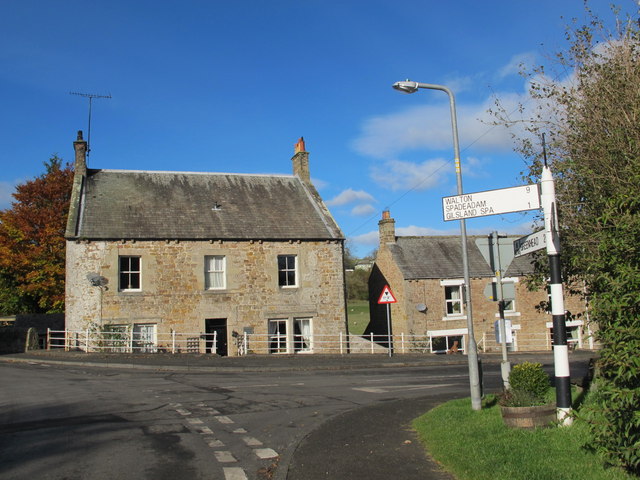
(560, 349)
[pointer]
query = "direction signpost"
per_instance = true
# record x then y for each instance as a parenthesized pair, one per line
(518, 199)
(386, 297)
(530, 243)
(491, 202)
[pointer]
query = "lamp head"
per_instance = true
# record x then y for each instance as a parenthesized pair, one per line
(406, 87)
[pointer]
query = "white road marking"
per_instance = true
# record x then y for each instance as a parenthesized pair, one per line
(265, 453)
(234, 473)
(194, 421)
(252, 442)
(239, 430)
(389, 388)
(206, 431)
(183, 412)
(224, 456)
(215, 443)
(224, 419)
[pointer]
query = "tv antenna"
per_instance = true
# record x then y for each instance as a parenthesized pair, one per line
(90, 96)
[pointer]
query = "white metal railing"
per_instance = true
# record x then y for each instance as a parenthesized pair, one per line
(126, 340)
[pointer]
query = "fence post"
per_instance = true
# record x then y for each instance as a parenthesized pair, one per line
(66, 340)
(86, 341)
(371, 342)
(340, 343)
(173, 341)
(402, 341)
(245, 343)
(214, 347)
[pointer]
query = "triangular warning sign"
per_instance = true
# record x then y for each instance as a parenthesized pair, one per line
(386, 296)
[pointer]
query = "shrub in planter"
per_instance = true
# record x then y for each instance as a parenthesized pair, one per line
(529, 384)
(524, 404)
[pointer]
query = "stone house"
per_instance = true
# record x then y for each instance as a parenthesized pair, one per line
(425, 275)
(165, 253)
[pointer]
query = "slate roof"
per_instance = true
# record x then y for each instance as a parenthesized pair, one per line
(120, 204)
(441, 257)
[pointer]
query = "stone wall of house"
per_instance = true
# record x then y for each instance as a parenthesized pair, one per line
(529, 318)
(173, 294)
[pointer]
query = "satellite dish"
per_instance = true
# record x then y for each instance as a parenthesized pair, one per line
(97, 280)
(421, 307)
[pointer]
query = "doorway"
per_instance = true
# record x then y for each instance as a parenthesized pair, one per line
(219, 327)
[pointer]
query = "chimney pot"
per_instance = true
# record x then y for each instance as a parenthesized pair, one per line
(387, 229)
(300, 161)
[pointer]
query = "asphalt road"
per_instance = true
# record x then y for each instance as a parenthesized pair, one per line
(80, 422)
(67, 422)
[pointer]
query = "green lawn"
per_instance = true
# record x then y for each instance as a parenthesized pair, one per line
(476, 445)
(358, 311)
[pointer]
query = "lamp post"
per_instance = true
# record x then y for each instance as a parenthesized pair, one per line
(472, 349)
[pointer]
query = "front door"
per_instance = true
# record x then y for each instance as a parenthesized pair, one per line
(216, 343)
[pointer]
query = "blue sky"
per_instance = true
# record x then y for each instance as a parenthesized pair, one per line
(220, 86)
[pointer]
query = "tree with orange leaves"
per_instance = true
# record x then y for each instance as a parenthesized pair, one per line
(32, 245)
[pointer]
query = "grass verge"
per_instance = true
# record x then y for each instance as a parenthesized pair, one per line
(358, 311)
(476, 445)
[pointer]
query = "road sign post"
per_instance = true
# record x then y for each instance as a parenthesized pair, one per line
(386, 297)
(560, 348)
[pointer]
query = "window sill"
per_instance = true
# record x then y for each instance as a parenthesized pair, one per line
(509, 314)
(454, 317)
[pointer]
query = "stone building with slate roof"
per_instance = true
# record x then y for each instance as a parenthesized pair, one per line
(162, 252)
(426, 277)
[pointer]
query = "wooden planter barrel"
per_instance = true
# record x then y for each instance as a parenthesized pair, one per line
(529, 417)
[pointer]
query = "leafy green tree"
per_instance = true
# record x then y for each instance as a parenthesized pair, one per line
(592, 122)
(357, 284)
(32, 245)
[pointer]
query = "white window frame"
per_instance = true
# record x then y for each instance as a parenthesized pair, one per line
(129, 273)
(287, 271)
(276, 336)
(303, 342)
(453, 283)
(146, 343)
(213, 269)
(282, 337)
(456, 332)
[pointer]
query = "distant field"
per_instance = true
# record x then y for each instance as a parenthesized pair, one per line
(358, 311)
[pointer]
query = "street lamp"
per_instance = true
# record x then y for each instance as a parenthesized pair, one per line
(472, 349)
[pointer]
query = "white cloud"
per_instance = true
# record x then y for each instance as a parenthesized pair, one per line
(415, 231)
(516, 64)
(399, 175)
(429, 127)
(363, 210)
(366, 239)
(319, 184)
(349, 196)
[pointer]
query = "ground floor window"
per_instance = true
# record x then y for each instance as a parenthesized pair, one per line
(574, 333)
(290, 335)
(114, 338)
(448, 341)
(446, 344)
(144, 338)
(278, 335)
(302, 334)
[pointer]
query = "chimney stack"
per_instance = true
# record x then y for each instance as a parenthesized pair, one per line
(300, 161)
(387, 229)
(80, 147)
